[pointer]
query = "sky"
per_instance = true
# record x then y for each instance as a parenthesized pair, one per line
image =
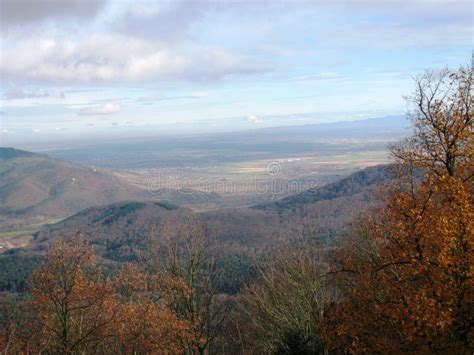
(84, 67)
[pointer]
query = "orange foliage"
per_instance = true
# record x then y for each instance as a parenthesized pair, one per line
(407, 270)
(74, 310)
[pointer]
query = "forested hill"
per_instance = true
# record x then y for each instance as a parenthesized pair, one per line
(363, 181)
(36, 185)
(119, 228)
(115, 229)
(12, 153)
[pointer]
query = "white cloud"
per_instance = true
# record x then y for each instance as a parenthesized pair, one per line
(319, 77)
(254, 119)
(116, 58)
(165, 21)
(106, 109)
(156, 98)
(390, 24)
(144, 10)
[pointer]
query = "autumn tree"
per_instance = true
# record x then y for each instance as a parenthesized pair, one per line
(185, 253)
(406, 273)
(148, 323)
(75, 309)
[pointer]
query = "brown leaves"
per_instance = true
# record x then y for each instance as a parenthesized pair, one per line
(74, 309)
(410, 289)
(413, 289)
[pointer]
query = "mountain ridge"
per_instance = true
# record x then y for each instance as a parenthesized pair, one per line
(359, 182)
(36, 189)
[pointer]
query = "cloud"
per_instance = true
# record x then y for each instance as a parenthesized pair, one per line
(157, 98)
(392, 25)
(28, 12)
(163, 21)
(18, 93)
(254, 119)
(171, 40)
(393, 36)
(319, 77)
(106, 109)
(443, 11)
(116, 58)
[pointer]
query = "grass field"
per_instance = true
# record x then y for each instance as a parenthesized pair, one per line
(17, 233)
(21, 237)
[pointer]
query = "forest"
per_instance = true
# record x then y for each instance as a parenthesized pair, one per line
(379, 262)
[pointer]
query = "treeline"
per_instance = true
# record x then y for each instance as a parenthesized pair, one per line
(400, 282)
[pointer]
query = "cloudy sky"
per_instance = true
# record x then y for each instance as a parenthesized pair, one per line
(96, 65)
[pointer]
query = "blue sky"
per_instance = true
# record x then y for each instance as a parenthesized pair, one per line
(97, 66)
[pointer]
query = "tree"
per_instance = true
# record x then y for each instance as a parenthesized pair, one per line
(282, 306)
(441, 117)
(75, 309)
(184, 252)
(407, 271)
(148, 322)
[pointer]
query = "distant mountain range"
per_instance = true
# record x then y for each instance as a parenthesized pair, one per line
(208, 149)
(389, 126)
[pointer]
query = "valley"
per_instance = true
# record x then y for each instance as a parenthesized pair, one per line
(251, 182)
(204, 172)
(237, 185)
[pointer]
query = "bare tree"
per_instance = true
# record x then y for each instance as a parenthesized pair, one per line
(442, 118)
(285, 304)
